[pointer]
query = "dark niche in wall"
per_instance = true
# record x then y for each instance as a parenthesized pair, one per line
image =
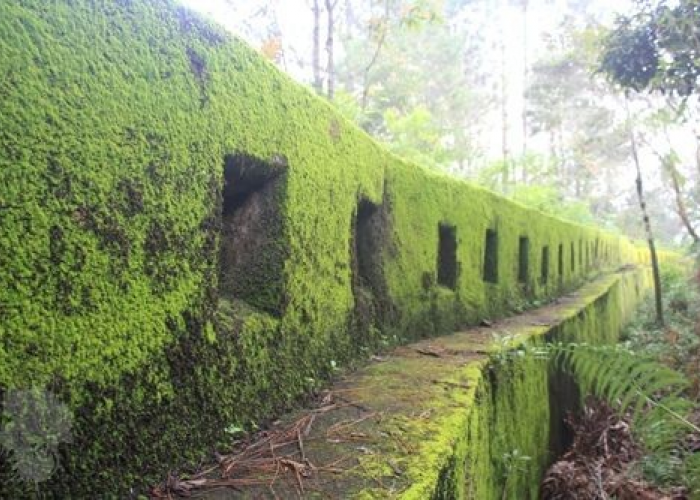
(370, 239)
(368, 235)
(447, 256)
(544, 274)
(252, 248)
(580, 253)
(490, 272)
(523, 259)
(560, 262)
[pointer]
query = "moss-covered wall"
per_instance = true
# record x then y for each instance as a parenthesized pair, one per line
(514, 427)
(116, 122)
(478, 414)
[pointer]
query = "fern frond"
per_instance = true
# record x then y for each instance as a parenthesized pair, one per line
(651, 393)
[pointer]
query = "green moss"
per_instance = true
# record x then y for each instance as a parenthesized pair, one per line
(460, 424)
(116, 119)
(488, 435)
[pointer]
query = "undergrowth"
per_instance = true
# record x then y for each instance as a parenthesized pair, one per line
(677, 344)
(652, 378)
(655, 400)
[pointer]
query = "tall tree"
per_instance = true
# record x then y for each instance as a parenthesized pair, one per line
(424, 103)
(664, 115)
(316, 47)
(505, 147)
(645, 217)
(523, 117)
(330, 63)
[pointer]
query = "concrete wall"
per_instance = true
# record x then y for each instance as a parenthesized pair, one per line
(190, 240)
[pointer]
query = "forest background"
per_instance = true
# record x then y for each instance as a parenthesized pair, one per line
(506, 93)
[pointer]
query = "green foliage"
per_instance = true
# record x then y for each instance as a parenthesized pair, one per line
(575, 110)
(677, 345)
(515, 463)
(547, 199)
(424, 104)
(543, 192)
(655, 48)
(653, 396)
(416, 136)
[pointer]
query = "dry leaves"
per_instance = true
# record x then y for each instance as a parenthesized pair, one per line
(598, 464)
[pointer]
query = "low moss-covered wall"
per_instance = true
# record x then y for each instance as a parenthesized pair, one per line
(473, 415)
(189, 240)
(516, 423)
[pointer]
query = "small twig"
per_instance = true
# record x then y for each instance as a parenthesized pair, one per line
(301, 447)
(354, 404)
(344, 424)
(307, 429)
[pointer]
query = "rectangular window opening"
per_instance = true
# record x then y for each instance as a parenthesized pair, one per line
(588, 254)
(447, 256)
(523, 259)
(560, 263)
(596, 254)
(573, 257)
(544, 275)
(251, 249)
(491, 256)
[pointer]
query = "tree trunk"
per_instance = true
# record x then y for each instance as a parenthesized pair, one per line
(505, 152)
(647, 223)
(680, 203)
(330, 64)
(504, 108)
(525, 74)
(316, 49)
(375, 56)
(696, 191)
(277, 32)
(697, 153)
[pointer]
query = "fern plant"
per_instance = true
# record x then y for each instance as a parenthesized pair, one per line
(650, 393)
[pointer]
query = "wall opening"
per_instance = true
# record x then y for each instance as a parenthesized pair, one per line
(588, 255)
(573, 257)
(544, 274)
(560, 262)
(447, 256)
(252, 248)
(368, 235)
(523, 259)
(490, 273)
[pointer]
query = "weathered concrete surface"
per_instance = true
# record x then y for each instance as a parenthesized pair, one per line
(446, 417)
